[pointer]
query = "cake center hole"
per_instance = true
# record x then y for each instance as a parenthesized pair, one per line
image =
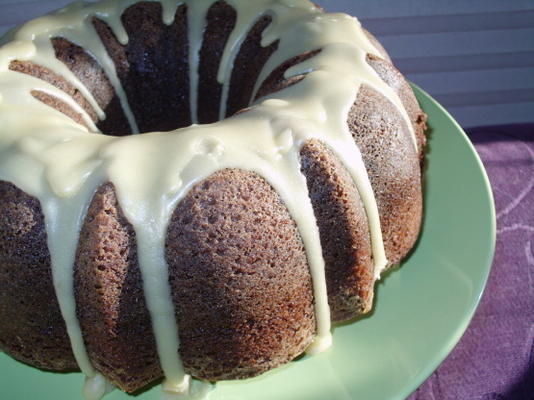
(154, 73)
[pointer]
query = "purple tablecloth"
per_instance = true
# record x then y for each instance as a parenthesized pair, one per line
(495, 357)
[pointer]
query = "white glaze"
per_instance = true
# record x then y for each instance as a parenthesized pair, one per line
(96, 387)
(56, 160)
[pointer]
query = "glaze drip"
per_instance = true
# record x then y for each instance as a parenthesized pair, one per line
(60, 163)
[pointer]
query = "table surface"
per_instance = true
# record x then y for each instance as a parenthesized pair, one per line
(494, 360)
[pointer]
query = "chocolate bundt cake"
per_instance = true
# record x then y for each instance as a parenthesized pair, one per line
(197, 188)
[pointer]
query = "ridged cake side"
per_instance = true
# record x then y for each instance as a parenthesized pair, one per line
(31, 326)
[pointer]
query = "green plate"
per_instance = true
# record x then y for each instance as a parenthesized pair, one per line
(421, 310)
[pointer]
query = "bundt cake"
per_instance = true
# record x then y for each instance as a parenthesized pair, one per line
(197, 188)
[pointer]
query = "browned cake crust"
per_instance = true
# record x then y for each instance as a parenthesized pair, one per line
(276, 81)
(393, 169)
(110, 303)
(247, 66)
(153, 65)
(377, 45)
(233, 247)
(391, 75)
(237, 267)
(58, 81)
(93, 77)
(31, 326)
(342, 225)
(220, 21)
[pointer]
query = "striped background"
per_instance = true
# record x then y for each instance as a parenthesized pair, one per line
(475, 57)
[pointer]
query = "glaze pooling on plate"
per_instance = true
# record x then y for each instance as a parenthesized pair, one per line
(62, 163)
